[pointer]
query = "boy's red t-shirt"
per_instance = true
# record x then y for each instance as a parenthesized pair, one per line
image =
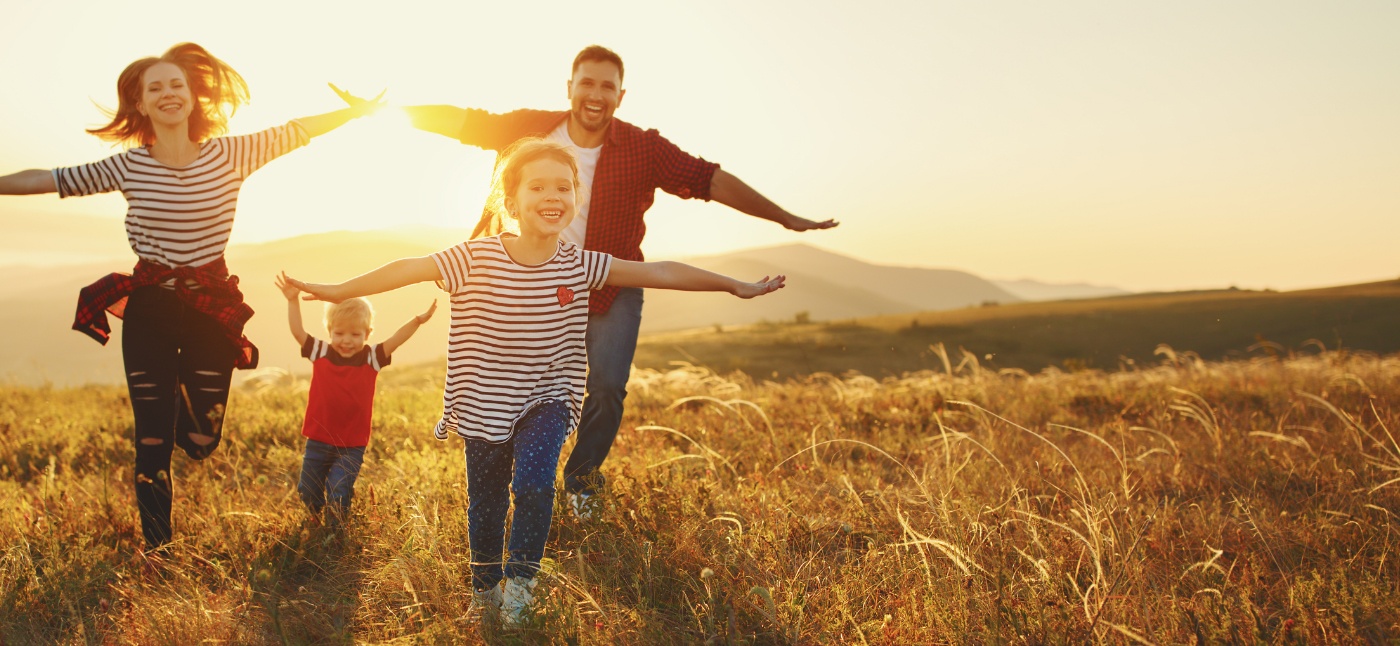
(341, 401)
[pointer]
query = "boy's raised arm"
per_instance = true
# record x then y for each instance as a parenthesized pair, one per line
(676, 275)
(399, 273)
(406, 331)
(293, 308)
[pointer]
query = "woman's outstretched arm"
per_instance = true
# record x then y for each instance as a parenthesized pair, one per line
(445, 120)
(28, 182)
(321, 124)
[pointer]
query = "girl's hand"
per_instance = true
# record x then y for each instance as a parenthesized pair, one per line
(288, 289)
(362, 106)
(428, 315)
(316, 291)
(761, 287)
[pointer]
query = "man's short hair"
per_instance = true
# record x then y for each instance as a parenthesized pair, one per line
(598, 53)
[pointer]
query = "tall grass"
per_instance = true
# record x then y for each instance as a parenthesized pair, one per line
(1245, 502)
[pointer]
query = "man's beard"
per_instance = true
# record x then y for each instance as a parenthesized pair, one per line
(582, 119)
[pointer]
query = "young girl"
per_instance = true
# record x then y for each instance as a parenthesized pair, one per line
(516, 358)
(183, 312)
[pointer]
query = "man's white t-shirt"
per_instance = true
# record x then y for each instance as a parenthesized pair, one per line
(587, 164)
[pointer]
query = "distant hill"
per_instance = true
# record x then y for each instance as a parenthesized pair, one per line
(1098, 333)
(39, 300)
(822, 284)
(1034, 290)
(34, 236)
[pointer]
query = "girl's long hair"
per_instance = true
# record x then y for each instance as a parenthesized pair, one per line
(217, 90)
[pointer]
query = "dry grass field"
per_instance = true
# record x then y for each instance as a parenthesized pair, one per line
(1174, 502)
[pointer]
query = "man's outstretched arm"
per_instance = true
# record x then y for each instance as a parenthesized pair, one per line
(445, 120)
(734, 193)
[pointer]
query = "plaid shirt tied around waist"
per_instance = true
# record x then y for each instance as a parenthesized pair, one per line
(218, 297)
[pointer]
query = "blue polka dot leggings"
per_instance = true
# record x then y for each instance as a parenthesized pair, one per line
(526, 465)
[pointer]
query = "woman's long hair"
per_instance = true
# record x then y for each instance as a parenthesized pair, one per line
(217, 90)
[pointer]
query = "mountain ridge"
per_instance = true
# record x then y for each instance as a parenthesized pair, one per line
(822, 285)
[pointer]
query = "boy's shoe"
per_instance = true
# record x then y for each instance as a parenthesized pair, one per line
(516, 599)
(581, 504)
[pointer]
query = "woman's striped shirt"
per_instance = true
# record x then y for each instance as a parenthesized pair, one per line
(181, 216)
(517, 336)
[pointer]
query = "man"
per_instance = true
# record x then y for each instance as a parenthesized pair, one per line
(621, 165)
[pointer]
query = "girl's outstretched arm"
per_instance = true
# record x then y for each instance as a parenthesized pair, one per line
(399, 273)
(28, 182)
(677, 275)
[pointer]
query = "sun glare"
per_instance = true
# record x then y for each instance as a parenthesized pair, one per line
(391, 118)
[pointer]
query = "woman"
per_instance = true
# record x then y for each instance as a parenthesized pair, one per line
(183, 312)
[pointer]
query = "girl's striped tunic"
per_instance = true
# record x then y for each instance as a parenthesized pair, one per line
(517, 336)
(181, 216)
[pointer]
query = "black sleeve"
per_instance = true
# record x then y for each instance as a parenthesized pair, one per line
(308, 346)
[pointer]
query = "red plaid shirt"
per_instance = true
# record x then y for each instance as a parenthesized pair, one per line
(632, 165)
(218, 297)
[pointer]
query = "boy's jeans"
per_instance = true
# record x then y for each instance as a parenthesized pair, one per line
(525, 466)
(328, 472)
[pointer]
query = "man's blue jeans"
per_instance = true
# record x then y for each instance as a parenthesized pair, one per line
(328, 474)
(612, 342)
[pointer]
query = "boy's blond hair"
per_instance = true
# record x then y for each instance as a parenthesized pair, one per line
(351, 311)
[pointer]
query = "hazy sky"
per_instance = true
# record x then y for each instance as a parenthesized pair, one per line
(1158, 145)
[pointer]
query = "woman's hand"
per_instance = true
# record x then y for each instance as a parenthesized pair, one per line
(362, 107)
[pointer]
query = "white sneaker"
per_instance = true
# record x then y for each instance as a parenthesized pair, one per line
(581, 504)
(517, 598)
(486, 601)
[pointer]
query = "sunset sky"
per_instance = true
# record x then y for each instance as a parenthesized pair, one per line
(1151, 146)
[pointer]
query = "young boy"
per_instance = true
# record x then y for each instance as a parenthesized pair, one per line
(341, 401)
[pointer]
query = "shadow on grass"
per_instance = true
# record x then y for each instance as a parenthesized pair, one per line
(308, 582)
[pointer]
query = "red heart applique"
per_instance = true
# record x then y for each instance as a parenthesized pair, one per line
(566, 296)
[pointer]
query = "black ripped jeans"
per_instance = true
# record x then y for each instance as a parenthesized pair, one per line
(178, 367)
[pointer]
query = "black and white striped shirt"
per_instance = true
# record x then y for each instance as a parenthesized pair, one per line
(181, 216)
(517, 336)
